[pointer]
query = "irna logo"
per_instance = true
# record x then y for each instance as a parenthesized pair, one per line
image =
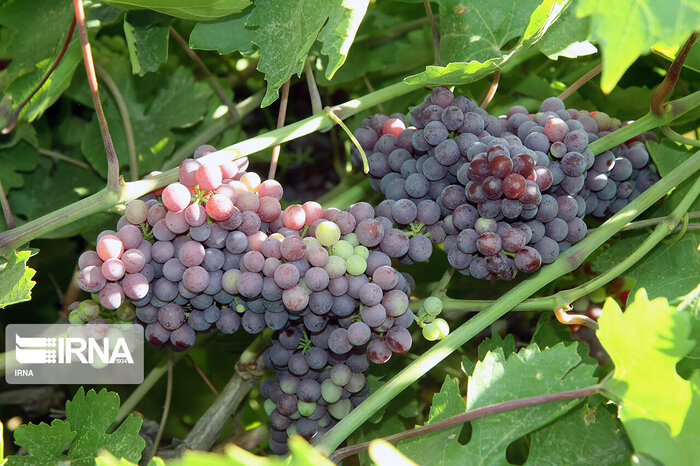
(72, 350)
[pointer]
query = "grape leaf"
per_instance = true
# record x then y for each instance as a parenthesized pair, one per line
(567, 37)
(496, 341)
(196, 10)
(147, 36)
(631, 28)
(19, 158)
(16, 279)
(659, 409)
(529, 372)
(287, 29)
(225, 35)
(584, 436)
(489, 50)
(88, 416)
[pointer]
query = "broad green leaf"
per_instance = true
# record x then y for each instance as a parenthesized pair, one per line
(584, 436)
(529, 372)
(659, 409)
(196, 10)
(567, 37)
(44, 443)
(13, 160)
(339, 33)
(489, 50)
(627, 29)
(287, 30)
(496, 341)
(225, 35)
(16, 279)
(88, 416)
(147, 38)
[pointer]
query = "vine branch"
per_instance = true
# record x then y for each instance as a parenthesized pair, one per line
(112, 160)
(492, 89)
(280, 123)
(581, 81)
(669, 82)
(15, 115)
(316, 105)
(6, 210)
(59, 156)
(126, 120)
(477, 413)
(210, 77)
(433, 29)
(166, 407)
(679, 138)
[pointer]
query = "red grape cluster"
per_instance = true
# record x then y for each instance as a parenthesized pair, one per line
(512, 191)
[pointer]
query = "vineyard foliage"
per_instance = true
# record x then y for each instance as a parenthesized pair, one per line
(621, 385)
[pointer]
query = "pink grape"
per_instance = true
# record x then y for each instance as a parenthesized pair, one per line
(251, 180)
(209, 177)
(270, 188)
(269, 209)
(109, 246)
(91, 279)
(313, 211)
(195, 215)
(294, 217)
(248, 201)
(113, 269)
(111, 296)
(130, 236)
(256, 240)
(176, 197)
(134, 260)
(195, 279)
(219, 207)
(191, 253)
(176, 222)
(135, 286)
(229, 169)
(228, 190)
(393, 126)
(89, 258)
(156, 212)
(187, 172)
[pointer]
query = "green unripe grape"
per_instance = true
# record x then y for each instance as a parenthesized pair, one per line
(340, 409)
(352, 239)
(240, 309)
(89, 310)
(113, 335)
(75, 318)
(136, 211)
(327, 233)
(431, 332)
(311, 243)
(306, 409)
(292, 429)
(443, 328)
(295, 415)
(361, 251)
(269, 406)
(330, 391)
(340, 374)
(229, 281)
(342, 249)
(433, 306)
(356, 265)
(324, 421)
(335, 267)
(126, 311)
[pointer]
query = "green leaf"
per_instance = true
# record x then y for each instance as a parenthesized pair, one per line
(659, 409)
(147, 38)
(633, 27)
(488, 50)
(287, 30)
(196, 10)
(495, 342)
(225, 35)
(44, 443)
(88, 416)
(529, 372)
(584, 436)
(567, 37)
(16, 279)
(19, 158)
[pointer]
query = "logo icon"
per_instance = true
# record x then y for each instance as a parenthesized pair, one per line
(35, 350)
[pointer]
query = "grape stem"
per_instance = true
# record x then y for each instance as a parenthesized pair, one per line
(314, 96)
(210, 77)
(581, 81)
(492, 89)
(248, 371)
(113, 180)
(10, 240)
(280, 123)
(126, 120)
(202, 375)
(476, 413)
(433, 29)
(666, 87)
(59, 156)
(15, 115)
(574, 319)
(6, 210)
(166, 408)
(674, 136)
(567, 262)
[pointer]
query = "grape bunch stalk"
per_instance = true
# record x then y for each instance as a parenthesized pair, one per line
(512, 191)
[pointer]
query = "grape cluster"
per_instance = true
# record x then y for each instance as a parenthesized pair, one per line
(512, 191)
(314, 386)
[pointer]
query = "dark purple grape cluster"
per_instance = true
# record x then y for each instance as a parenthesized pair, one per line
(512, 191)
(314, 386)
